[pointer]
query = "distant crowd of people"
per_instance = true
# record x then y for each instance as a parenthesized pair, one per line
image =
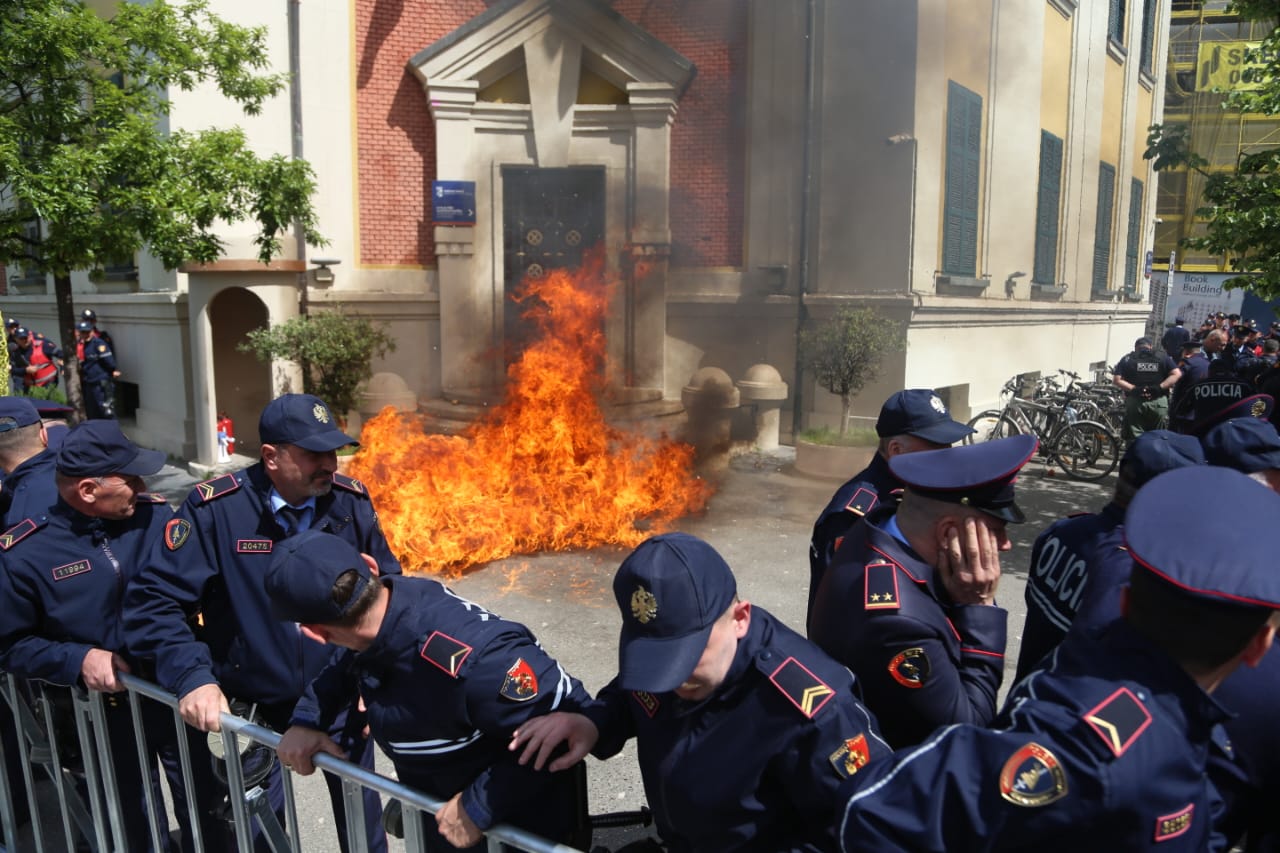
(36, 361)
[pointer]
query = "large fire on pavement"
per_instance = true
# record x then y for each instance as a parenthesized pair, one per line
(541, 472)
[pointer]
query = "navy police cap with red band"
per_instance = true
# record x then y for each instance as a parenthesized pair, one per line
(974, 475)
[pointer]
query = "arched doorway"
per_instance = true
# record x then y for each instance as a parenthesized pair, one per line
(242, 384)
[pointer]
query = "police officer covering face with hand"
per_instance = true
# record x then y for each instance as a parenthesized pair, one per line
(1145, 379)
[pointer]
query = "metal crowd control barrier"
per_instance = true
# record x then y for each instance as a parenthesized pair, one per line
(88, 796)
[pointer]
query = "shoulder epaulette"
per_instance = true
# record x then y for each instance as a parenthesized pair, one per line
(217, 487)
(350, 484)
(881, 580)
(1119, 720)
(151, 498)
(862, 502)
(805, 690)
(445, 652)
(21, 531)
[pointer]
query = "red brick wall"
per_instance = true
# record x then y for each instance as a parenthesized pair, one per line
(396, 157)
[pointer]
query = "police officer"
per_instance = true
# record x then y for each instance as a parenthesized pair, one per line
(211, 560)
(744, 729)
(1073, 557)
(1215, 400)
(1145, 379)
(1107, 747)
(910, 421)
(29, 487)
(16, 377)
(1194, 366)
(909, 601)
(39, 358)
(65, 570)
(1174, 338)
(91, 316)
(431, 668)
(98, 372)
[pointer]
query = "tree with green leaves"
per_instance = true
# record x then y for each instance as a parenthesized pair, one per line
(1241, 206)
(843, 353)
(89, 174)
(335, 349)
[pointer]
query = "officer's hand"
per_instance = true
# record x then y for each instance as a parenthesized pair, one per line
(99, 668)
(299, 743)
(456, 825)
(201, 707)
(969, 563)
(542, 736)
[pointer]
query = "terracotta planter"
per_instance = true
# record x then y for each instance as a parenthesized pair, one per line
(831, 461)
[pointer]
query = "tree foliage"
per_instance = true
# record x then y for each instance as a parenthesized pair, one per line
(85, 148)
(843, 353)
(337, 348)
(1241, 206)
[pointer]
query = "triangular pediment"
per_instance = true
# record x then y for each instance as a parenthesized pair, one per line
(490, 48)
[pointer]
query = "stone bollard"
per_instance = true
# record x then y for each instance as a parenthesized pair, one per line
(762, 387)
(710, 398)
(382, 390)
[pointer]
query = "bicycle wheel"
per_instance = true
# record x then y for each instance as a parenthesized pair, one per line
(989, 425)
(1085, 450)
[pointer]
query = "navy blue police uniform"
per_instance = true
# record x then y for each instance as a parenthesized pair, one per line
(882, 610)
(1194, 365)
(210, 560)
(1174, 338)
(1218, 399)
(29, 489)
(757, 764)
(1246, 769)
(916, 411)
(445, 682)
(1107, 746)
(60, 597)
(97, 375)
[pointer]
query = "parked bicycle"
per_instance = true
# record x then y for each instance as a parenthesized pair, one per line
(1084, 449)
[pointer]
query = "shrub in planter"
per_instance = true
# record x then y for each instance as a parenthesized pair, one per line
(843, 353)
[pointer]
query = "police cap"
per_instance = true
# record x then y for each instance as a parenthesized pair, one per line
(1239, 331)
(1191, 344)
(670, 591)
(1157, 451)
(1245, 444)
(919, 412)
(84, 326)
(974, 475)
(1143, 343)
(301, 575)
(98, 448)
(90, 315)
(304, 420)
(11, 324)
(21, 332)
(16, 412)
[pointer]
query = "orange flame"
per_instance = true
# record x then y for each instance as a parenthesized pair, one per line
(542, 472)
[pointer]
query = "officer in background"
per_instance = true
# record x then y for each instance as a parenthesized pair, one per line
(910, 421)
(1076, 554)
(1215, 400)
(430, 667)
(29, 487)
(1194, 366)
(91, 316)
(909, 601)
(98, 373)
(40, 358)
(16, 377)
(211, 560)
(65, 571)
(1145, 379)
(1174, 338)
(1107, 747)
(743, 728)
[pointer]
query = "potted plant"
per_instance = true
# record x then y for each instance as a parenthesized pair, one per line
(842, 354)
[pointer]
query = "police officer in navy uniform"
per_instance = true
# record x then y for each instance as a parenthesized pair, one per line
(1073, 555)
(65, 571)
(909, 602)
(1194, 366)
(1218, 399)
(1107, 747)
(910, 421)
(1174, 338)
(743, 728)
(26, 461)
(91, 317)
(1145, 379)
(445, 682)
(39, 358)
(98, 372)
(211, 560)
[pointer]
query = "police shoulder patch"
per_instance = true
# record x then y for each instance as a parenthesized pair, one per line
(647, 701)
(910, 667)
(851, 757)
(20, 531)
(805, 690)
(1119, 720)
(1033, 776)
(217, 487)
(445, 652)
(1173, 825)
(351, 484)
(520, 683)
(862, 502)
(176, 531)
(881, 586)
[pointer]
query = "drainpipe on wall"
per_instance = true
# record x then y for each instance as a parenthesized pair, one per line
(806, 192)
(295, 116)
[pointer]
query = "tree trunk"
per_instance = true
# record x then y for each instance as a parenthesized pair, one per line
(845, 405)
(67, 332)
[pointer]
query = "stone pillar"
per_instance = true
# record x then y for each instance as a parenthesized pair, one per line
(763, 388)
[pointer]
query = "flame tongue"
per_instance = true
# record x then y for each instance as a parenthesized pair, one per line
(544, 471)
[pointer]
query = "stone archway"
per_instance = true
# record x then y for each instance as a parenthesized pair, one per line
(242, 384)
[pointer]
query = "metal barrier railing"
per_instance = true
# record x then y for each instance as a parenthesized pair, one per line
(89, 795)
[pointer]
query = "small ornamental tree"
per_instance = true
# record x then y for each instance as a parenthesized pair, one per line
(337, 348)
(843, 353)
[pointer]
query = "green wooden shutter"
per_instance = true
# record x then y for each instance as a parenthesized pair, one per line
(1102, 230)
(1048, 201)
(1148, 34)
(1115, 21)
(1135, 236)
(964, 162)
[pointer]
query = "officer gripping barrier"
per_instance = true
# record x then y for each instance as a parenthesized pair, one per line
(82, 772)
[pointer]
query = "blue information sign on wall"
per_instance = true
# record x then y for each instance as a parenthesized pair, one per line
(453, 202)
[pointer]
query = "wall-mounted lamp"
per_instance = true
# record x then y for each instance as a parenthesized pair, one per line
(322, 273)
(1009, 282)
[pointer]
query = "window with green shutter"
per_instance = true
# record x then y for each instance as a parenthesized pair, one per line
(1048, 201)
(1148, 34)
(964, 161)
(1115, 21)
(1102, 230)
(1135, 237)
